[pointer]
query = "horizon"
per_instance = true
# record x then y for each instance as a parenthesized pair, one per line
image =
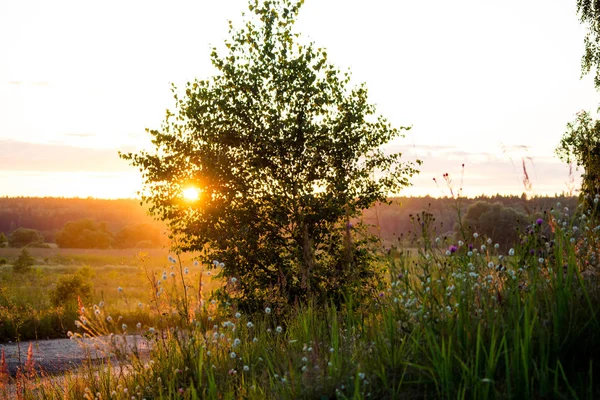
(74, 94)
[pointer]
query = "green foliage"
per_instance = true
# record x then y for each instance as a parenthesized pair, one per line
(3, 261)
(284, 153)
(502, 224)
(22, 237)
(68, 288)
(3, 240)
(138, 235)
(23, 263)
(580, 144)
(84, 234)
(589, 15)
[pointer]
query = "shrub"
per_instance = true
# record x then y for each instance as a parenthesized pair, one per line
(23, 237)
(68, 288)
(23, 263)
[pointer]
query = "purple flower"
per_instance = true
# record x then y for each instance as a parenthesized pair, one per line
(470, 247)
(539, 221)
(453, 249)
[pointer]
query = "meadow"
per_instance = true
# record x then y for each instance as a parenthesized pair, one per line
(456, 318)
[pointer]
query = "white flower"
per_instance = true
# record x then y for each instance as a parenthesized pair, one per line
(186, 271)
(246, 368)
(304, 359)
(475, 235)
(489, 241)
(448, 252)
(250, 325)
(268, 310)
(236, 342)
(151, 330)
(233, 280)
(483, 247)
(232, 355)
(255, 340)
(109, 319)
(361, 375)
(460, 243)
(497, 246)
(491, 264)
(221, 265)
(139, 325)
(120, 289)
(304, 368)
(470, 253)
(541, 260)
(511, 252)
(124, 327)
(238, 315)
(279, 329)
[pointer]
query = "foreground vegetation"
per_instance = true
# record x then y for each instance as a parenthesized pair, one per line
(456, 319)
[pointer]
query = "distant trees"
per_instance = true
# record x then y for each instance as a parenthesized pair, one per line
(139, 236)
(89, 234)
(493, 220)
(84, 234)
(3, 240)
(22, 237)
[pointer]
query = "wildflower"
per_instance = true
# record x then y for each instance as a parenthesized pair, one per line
(460, 243)
(101, 304)
(541, 260)
(483, 247)
(250, 325)
(215, 263)
(186, 271)
(255, 340)
(109, 319)
(511, 252)
(448, 252)
(151, 330)
(453, 249)
(361, 376)
(233, 280)
(539, 221)
(172, 274)
(236, 342)
(138, 325)
(470, 253)
(238, 315)
(572, 240)
(475, 235)
(97, 312)
(232, 355)
(120, 289)
(331, 349)
(304, 360)
(246, 368)
(268, 310)
(304, 368)
(491, 264)
(124, 327)
(221, 265)
(196, 263)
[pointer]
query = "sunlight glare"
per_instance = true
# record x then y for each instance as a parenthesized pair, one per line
(191, 194)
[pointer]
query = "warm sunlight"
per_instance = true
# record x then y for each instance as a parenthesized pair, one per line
(191, 194)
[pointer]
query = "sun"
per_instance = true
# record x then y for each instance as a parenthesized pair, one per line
(191, 194)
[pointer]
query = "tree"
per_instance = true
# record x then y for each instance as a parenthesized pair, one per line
(580, 144)
(284, 153)
(503, 225)
(3, 240)
(68, 288)
(23, 237)
(138, 235)
(589, 14)
(84, 234)
(23, 263)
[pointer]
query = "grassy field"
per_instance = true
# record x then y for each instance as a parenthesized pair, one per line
(462, 319)
(118, 278)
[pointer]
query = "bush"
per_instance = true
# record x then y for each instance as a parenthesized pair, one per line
(2, 261)
(23, 263)
(68, 288)
(24, 237)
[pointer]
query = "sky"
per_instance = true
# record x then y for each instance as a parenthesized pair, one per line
(482, 83)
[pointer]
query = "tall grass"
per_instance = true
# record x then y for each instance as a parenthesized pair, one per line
(459, 319)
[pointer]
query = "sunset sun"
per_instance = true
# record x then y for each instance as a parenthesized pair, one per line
(191, 194)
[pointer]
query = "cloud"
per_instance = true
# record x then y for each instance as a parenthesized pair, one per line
(24, 156)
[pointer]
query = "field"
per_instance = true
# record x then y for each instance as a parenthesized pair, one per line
(456, 319)
(118, 278)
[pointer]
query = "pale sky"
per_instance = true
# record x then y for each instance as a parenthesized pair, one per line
(80, 80)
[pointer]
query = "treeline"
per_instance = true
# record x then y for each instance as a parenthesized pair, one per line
(98, 223)
(78, 223)
(499, 217)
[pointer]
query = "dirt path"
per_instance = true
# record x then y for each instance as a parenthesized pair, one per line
(59, 355)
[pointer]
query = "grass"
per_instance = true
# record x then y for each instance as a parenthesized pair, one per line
(458, 320)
